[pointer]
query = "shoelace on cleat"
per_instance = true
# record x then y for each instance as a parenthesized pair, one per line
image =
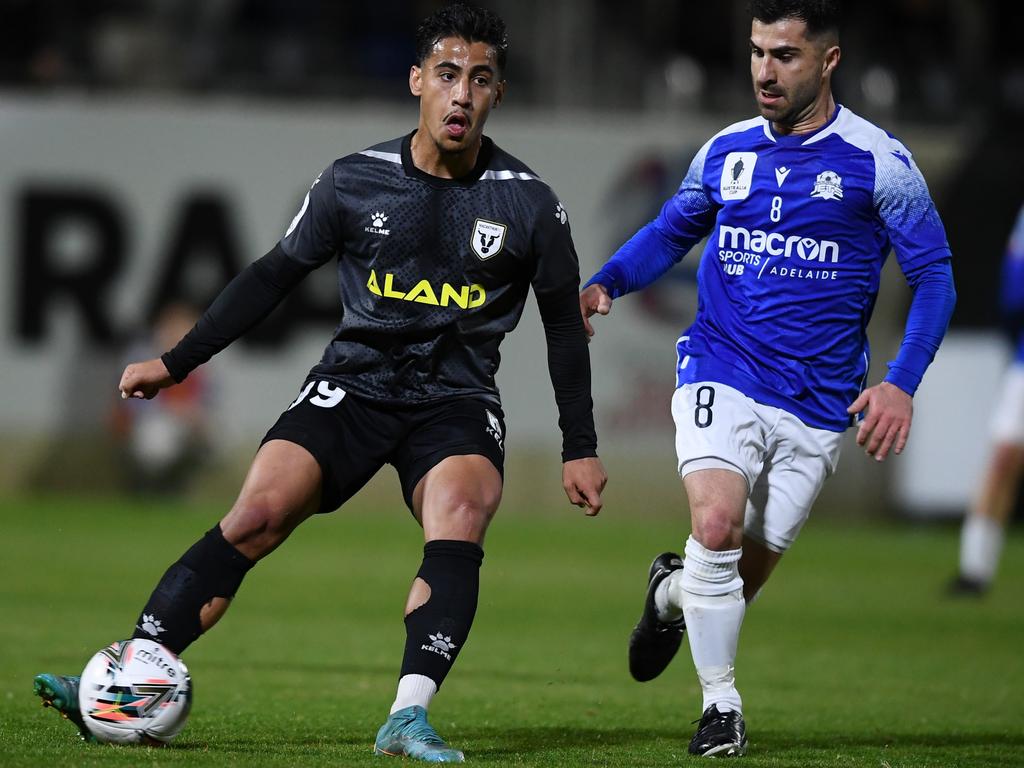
(419, 729)
(721, 717)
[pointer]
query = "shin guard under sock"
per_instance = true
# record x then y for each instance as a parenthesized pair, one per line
(211, 568)
(437, 630)
(711, 594)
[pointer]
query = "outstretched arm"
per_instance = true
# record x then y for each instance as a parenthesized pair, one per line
(311, 240)
(245, 301)
(684, 219)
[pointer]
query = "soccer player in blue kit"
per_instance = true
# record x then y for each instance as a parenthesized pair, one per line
(801, 205)
(984, 531)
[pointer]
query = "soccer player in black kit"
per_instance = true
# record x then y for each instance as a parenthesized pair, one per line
(438, 236)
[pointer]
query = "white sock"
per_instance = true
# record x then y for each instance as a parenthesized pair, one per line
(711, 593)
(981, 543)
(414, 690)
(668, 611)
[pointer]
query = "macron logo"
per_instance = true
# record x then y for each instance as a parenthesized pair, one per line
(774, 244)
(781, 174)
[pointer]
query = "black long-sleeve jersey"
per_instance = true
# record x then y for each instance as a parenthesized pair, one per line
(432, 273)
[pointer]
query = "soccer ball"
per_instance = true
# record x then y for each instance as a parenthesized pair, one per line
(135, 692)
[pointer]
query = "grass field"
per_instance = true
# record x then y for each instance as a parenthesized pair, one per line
(850, 658)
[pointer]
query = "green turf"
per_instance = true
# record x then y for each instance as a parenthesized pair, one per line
(850, 658)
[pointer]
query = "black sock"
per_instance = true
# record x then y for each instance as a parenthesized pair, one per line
(211, 568)
(437, 630)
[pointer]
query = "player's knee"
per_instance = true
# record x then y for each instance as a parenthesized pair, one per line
(474, 512)
(715, 531)
(258, 523)
(1008, 460)
(463, 517)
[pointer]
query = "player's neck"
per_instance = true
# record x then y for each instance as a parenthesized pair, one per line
(445, 165)
(818, 112)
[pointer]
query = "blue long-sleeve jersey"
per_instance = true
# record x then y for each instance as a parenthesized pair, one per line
(800, 227)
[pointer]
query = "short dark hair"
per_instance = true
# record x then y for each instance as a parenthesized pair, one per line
(819, 15)
(458, 19)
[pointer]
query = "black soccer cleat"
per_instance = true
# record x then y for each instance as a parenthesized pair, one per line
(964, 586)
(720, 734)
(654, 643)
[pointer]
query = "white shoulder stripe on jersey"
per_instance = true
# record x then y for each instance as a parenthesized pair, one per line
(391, 157)
(743, 125)
(695, 174)
(507, 176)
(858, 132)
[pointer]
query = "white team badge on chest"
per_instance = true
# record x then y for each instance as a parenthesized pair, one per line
(737, 175)
(488, 238)
(828, 186)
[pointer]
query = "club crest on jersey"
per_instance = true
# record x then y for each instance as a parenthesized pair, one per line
(737, 175)
(828, 186)
(488, 238)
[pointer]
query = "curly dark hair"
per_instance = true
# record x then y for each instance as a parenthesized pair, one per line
(819, 15)
(459, 19)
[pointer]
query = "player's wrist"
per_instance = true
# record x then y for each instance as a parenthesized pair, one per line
(606, 279)
(173, 370)
(586, 452)
(903, 380)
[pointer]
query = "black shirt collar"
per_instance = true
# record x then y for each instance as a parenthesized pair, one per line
(483, 159)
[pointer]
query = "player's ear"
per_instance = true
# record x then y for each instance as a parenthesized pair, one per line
(831, 60)
(499, 93)
(416, 80)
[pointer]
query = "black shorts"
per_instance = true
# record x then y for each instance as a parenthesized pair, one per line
(351, 438)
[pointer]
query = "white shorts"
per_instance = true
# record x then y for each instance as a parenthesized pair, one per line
(1008, 417)
(784, 461)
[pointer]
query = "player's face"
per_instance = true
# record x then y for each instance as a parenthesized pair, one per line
(791, 73)
(458, 85)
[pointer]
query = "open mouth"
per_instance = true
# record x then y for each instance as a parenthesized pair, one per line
(456, 124)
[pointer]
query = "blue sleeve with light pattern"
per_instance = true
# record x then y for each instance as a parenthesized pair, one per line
(915, 230)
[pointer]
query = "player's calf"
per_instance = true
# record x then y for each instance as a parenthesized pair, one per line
(212, 568)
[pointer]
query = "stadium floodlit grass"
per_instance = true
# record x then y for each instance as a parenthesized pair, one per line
(852, 656)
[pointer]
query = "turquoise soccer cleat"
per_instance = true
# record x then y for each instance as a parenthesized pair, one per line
(407, 733)
(61, 693)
